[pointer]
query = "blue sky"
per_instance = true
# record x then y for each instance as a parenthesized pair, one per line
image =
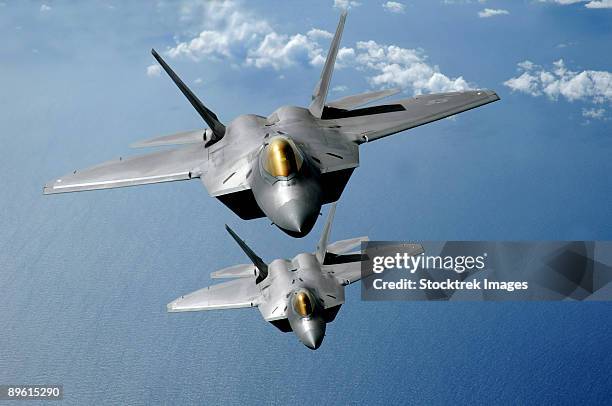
(85, 277)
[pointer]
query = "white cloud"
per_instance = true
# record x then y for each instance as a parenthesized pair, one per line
(316, 34)
(153, 70)
(394, 66)
(525, 83)
(228, 32)
(594, 113)
(492, 12)
(394, 7)
(279, 51)
(339, 88)
(346, 4)
(233, 34)
(599, 4)
(588, 3)
(559, 82)
(44, 8)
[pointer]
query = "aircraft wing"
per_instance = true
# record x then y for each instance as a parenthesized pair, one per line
(237, 293)
(164, 166)
(371, 123)
(346, 273)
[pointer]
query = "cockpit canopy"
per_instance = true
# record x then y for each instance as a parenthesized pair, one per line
(281, 158)
(303, 304)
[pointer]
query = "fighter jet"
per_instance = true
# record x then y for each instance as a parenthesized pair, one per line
(284, 166)
(300, 295)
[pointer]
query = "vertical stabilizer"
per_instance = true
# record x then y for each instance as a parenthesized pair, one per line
(257, 261)
(217, 128)
(322, 245)
(320, 92)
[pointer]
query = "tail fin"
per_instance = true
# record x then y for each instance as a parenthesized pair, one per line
(320, 91)
(257, 261)
(218, 129)
(322, 245)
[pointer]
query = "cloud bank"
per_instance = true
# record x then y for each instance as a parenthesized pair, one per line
(587, 3)
(247, 40)
(559, 82)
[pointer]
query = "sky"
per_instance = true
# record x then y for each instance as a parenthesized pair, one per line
(85, 277)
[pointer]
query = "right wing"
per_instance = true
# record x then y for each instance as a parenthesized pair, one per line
(164, 166)
(237, 293)
(371, 123)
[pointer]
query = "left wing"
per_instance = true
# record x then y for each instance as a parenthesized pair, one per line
(237, 293)
(164, 166)
(371, 123)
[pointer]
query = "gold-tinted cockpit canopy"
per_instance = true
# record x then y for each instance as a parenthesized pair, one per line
(281, 157)
(302, 303)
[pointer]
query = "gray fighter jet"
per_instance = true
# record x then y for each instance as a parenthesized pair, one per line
(284, 166)
(300, 295)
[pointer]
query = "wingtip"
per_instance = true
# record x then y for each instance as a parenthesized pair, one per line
(48, 189)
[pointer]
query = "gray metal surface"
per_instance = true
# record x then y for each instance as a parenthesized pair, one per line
(186, 137)
(357, 100)
(230, 159)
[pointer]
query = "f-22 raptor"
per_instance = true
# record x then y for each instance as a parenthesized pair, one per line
(300, 295)
(284, 166)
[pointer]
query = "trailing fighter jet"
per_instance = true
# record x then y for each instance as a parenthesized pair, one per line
(284, 166)
(300, 295)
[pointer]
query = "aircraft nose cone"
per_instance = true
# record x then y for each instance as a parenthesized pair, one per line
(297, 217)
(313, 339)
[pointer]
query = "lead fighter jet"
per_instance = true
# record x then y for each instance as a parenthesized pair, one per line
(300, 295)
(284, 166)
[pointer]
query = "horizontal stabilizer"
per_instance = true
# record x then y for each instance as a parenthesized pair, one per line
(186, 137)
(357, 100)
(344, 246)
(236, 271)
